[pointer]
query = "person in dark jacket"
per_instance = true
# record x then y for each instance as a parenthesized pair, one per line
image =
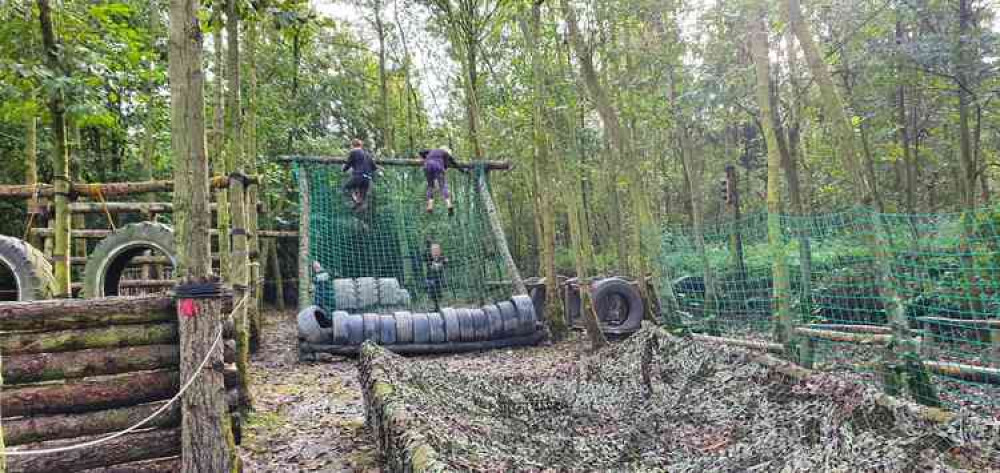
(436, 163)
(435, 262)
(363, 169)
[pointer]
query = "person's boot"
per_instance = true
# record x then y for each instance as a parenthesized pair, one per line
(430, 206)
(451, 211)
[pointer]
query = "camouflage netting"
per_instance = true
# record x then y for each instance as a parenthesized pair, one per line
(651, 403)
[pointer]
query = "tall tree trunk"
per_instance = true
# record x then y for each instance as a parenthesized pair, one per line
(544, 174)
(471, 45)
(218, 155)
(250, 159)
(388, 141)
(207, 439)
(238, 275)
(779, 265)
(903, 125)
(60, 156)
(34, 206)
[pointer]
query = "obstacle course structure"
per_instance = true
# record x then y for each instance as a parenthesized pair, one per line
(380, 259)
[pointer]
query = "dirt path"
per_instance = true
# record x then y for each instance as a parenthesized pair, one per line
(309, 416)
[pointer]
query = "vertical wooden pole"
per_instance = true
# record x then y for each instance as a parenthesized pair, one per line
(305, 212)
(256, 283)
(206, 434)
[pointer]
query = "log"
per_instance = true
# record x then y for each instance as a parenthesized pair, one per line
(32, 368)
(490, 165)
(62, 426)
(879, 329)
(59, 314)
(751, 344)
(305, 281)
(975, 374)
(138, 260)
(90, 394)
(277, 234)
(962, 323)
(158, 465)
(128, 207)
(90, 233)
(847, 337)
(69, 340)
(107, 189)
(156, 443)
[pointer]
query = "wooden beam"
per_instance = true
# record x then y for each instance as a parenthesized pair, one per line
(132, 447)
(847, 337)
(880, 329)
(962, 323)
(71, 340)
(751, 344)
(90, 394)
(105, 190)
(126, 207)
(66, 314)
(976, 374)
(37, 367)
(334, 160)
(62, 426)
(101, 233)
(277, 234)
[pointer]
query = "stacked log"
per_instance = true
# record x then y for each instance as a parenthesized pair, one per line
(80, 370)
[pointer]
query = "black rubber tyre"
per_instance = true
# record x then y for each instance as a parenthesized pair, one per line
(32, 272)
(388, 328)
(421, 329)
(309, 327)
(605, 291)
(355, 329)
(510, 318)
(495, 321)
(345, 294)
(404, 327)
(436, 323)
(481, 323)
(389, 292)
(371, 327)
(451, 329)
(367, 293)
(112, 255)
(466, 325)
(526, 313)
(341, 335)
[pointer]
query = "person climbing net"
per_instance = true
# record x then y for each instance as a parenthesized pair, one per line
(436, 164)
(363, 170)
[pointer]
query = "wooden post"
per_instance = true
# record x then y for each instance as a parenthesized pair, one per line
(498, 236)
(239, 279)
(305, 212)
(207, 442)
(256, 284)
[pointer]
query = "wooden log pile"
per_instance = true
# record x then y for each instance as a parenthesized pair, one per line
(80, 370)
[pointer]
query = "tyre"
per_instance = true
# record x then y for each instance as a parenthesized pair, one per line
(388, 292)
(344, 294)
(404, 327)
(451, 328)
(421, 329)
(388, 329)
(465, 325)
(371, 331)
(481, 325)
(619, 305)
(367, 293)
(355, 329)
(436, 324)
(341, 334)
(572, 301)
(309, 325)
(526, 313)
(112, 255)
(510, 318)
(31, 271)
(404, 298)
(495, 321)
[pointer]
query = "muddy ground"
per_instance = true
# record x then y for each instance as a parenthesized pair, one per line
(309, 417)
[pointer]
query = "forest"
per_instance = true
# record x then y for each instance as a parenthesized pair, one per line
(812, 180)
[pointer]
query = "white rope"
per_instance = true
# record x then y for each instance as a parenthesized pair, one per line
(142, 422)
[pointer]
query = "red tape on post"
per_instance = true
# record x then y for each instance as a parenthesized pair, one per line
(188, 308)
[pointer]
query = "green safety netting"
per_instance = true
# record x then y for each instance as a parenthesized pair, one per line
(945, 269)
(389, 240)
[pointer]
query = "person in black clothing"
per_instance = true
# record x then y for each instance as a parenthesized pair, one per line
(363, 169)
(435, 262)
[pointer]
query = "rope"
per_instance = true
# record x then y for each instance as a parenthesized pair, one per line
(95, 190)
(138, 425)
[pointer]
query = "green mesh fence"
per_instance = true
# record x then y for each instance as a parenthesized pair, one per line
(390, 239)
(944, 268)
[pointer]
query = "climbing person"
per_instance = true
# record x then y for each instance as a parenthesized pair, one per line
(435, 262)
(436, 163)
(363, 169)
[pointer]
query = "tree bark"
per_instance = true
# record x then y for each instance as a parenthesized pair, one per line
(157, 465)
(39, 367)
(206, 435)
(388, 142)
(69, 340)
(132, 447)
(779, 266)
(79, 313)
(62, 426)
(60, 157)
(90, 394)
(305, 214)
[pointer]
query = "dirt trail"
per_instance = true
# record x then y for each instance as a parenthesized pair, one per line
(309, 416)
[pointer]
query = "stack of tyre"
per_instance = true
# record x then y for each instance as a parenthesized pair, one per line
(507, 323)
(364, 293)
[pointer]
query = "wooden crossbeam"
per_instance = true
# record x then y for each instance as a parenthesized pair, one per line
(335, 160)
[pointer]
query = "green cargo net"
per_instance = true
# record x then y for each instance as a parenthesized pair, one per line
(945, 270)
(378, 256)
